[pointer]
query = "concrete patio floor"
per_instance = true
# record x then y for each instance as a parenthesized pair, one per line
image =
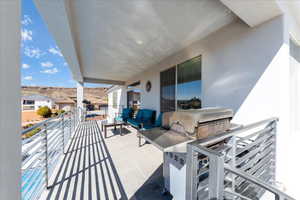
(111, 168)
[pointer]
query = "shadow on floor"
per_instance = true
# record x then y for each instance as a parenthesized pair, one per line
(87, 170)
(117, 131)
(152, 188)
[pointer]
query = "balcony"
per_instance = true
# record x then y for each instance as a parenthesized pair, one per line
(71, 159)
(92, 167)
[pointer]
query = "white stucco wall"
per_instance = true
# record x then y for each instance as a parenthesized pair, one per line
(245, 69)
(233, 61)
(48, 103)
(294, 137)
(10, 100)
(121, 101)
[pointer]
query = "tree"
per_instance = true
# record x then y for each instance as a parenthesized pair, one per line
(44, 111)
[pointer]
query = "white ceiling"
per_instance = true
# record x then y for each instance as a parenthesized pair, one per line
(116, 39)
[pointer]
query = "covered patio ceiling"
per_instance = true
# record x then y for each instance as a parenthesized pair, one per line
(111, 41)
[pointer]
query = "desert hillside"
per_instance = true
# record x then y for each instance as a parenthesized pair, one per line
(95, 95)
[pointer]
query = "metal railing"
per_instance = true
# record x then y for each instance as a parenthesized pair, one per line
(41, 152)
(239, 164)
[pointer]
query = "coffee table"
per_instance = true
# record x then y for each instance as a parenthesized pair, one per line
(105, 124)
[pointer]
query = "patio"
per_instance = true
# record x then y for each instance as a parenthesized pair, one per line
(112, 168)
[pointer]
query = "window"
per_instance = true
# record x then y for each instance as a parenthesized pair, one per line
(189, 84)
(180, 86)
(28, 102)
(167, 90)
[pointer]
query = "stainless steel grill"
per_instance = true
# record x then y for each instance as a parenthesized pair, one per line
(178, 129)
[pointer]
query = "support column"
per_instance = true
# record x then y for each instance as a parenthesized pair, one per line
(10, 100)
(80, 97)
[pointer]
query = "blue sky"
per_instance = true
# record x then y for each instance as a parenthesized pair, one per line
(42, 63)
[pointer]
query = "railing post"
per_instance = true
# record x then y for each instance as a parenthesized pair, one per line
(70, 126)
(63, 132)
(274, 131)
(191, 174)
(232, 156)
(45, 140)
(216, 178)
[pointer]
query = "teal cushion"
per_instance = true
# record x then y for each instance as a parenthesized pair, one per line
(148, 115)
(135, 123)
(158, 122)
(126, 113)
(148, 126)
(139, 115)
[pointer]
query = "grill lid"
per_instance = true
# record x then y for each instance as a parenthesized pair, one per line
(189, 119)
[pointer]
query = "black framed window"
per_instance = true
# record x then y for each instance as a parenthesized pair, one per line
(167, 90)
(180, 86)
(189, 84)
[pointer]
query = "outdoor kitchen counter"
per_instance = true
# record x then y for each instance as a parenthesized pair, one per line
(166, 140)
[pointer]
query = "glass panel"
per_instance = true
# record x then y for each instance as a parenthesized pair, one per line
(167, 90)
(189, 84)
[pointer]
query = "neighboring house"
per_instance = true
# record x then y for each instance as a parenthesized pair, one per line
(34, 102)
(64, 104)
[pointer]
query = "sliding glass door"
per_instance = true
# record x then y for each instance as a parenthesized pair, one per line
(181, 86)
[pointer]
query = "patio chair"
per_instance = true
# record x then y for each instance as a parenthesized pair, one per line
(125, 115)
(158, 123)
(143, 117)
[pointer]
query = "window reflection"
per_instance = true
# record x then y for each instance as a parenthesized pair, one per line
(189, 84)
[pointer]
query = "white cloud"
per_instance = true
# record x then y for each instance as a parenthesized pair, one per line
(50, 71)
(25, 66)
(47, 64)
(26, 34)
(26, 20)
(55, 51)
(28, 78)
(33, 52)
(65, 64)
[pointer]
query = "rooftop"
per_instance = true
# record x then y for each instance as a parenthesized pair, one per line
(36, 97)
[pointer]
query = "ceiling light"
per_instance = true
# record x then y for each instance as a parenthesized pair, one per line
(139, 42)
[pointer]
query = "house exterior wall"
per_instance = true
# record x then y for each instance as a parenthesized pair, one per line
(65, 106)
(115, 105)
(10, 100)
(294, 138)
(38, 103)
(245, 69)
(233, 61)
(48, 103)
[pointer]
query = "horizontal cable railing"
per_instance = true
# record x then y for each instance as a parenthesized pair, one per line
(238, 164)
(41, 152)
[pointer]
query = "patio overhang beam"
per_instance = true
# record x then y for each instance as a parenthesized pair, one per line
(254, 12)
(61, 27)
(103, 81)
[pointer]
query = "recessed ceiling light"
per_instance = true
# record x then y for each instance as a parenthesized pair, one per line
(139, 42)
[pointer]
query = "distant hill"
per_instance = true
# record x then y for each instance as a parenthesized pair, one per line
(95, 95)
